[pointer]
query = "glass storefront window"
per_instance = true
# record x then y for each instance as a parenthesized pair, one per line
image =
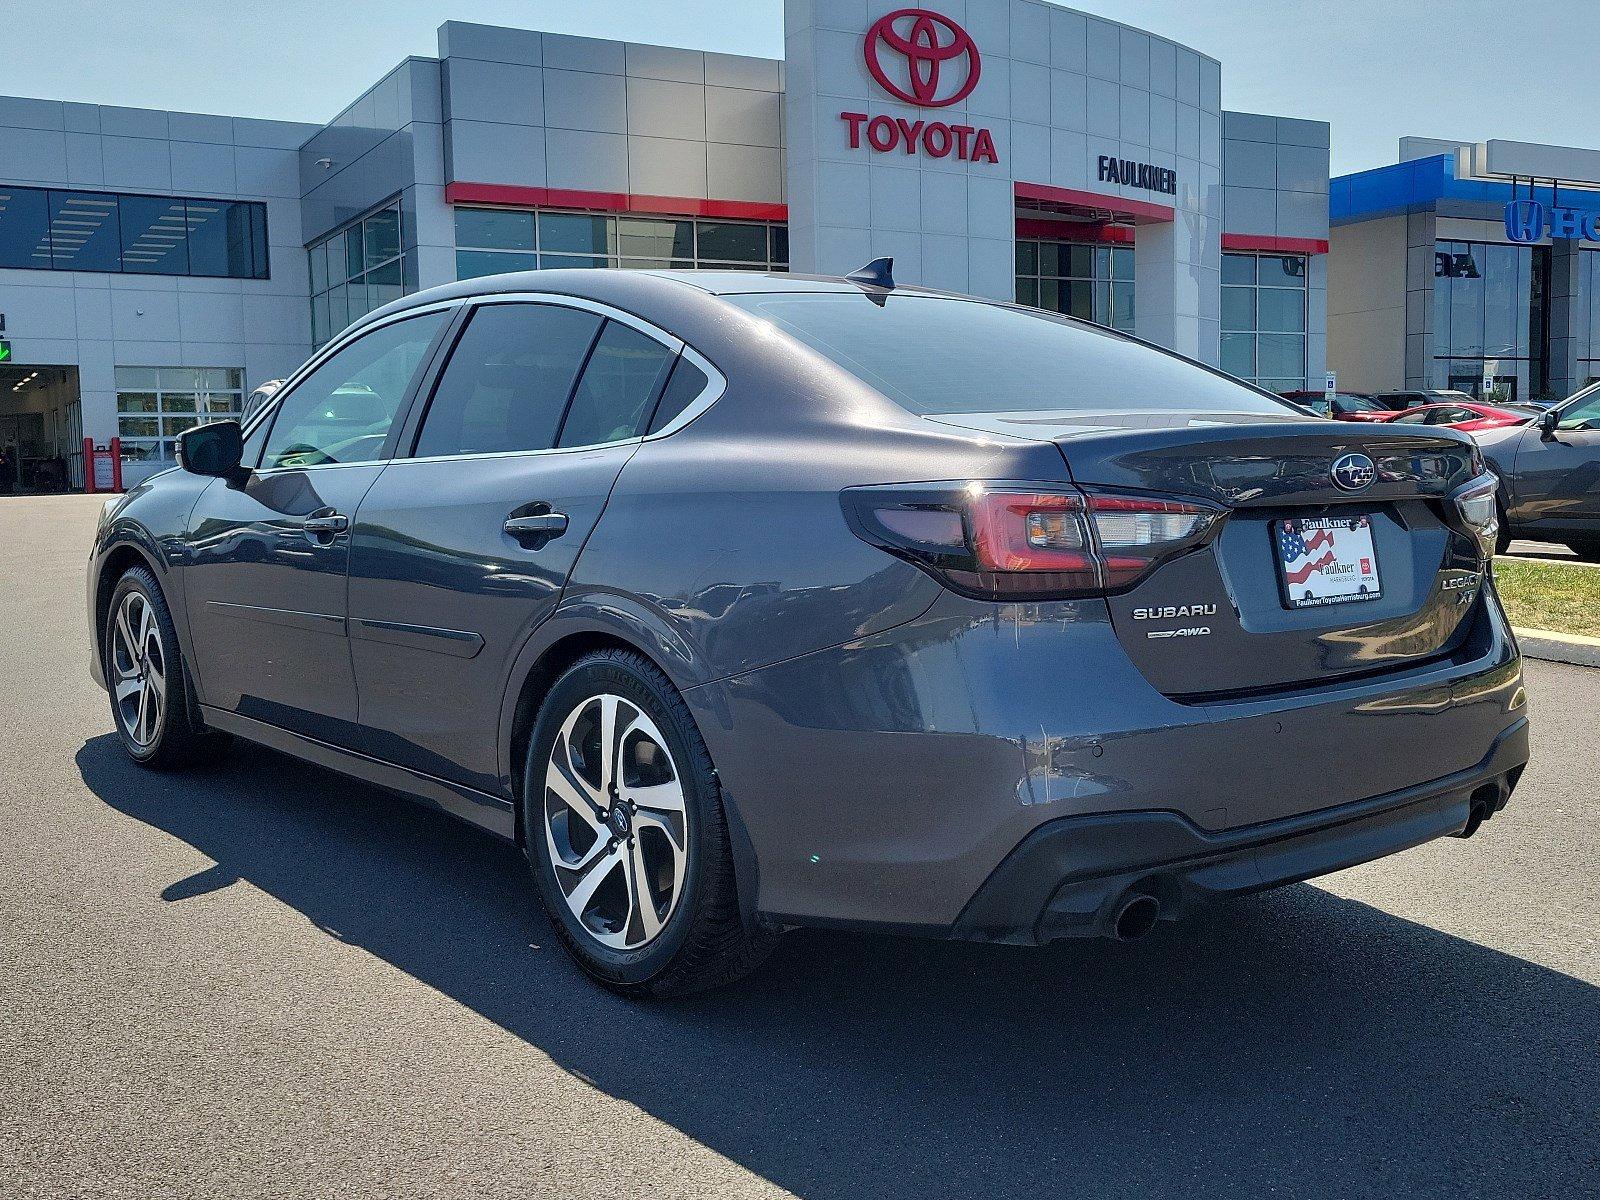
(53, 229)
(1586, 318)
(155, 235)
(156, 404)
(85, 234)
(728, 241)
(356, 270)
(24, 229)
(1488, 304)
(222, 237)
(494, 229)
(492, 241)
(655, 239)
(1264, 319)
(1084, 280)
(577, 233)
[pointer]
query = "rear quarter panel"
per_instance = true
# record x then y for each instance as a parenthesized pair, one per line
(732, 531)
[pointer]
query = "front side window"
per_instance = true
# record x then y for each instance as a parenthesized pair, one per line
(1582, 414)
(618, 390)
(508, 380)
(935, 355)
(342, 411)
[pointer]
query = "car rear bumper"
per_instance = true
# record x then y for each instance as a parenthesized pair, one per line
(1072, 876)
(883, 783)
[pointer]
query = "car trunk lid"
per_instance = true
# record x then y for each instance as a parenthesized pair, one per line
(1221, 620)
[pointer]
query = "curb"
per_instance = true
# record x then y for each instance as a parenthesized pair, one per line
(1549, 646)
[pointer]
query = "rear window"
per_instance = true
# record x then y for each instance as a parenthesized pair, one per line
(934, 355)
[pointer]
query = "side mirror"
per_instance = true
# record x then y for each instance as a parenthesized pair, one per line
(1549, 419)
(215, 449)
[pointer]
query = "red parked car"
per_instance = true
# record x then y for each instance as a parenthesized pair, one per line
(1347, 406)
(1471, 418)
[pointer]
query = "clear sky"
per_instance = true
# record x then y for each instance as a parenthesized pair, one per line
(1376, 69)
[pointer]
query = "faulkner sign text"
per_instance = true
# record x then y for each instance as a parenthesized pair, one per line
(1147, 176)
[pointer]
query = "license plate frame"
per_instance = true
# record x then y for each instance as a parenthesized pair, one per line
(1339, 563)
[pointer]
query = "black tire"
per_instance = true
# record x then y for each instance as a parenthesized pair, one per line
(1586, 548)
(703, 941)
(168, 736)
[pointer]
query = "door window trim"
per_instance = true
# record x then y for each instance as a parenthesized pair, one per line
(269, 411)
(422, 399)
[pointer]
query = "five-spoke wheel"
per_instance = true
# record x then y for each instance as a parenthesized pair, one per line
(625, 829)
(145, 676)
(138, 670)
(615, 823)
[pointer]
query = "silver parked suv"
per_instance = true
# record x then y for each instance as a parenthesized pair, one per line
(744, 602)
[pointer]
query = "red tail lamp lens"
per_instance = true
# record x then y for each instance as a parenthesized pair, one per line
(1009, 541)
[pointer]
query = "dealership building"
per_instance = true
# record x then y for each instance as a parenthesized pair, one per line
(1472, 266)
(156, 266)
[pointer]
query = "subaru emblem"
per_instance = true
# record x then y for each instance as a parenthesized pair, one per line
(1354, 473)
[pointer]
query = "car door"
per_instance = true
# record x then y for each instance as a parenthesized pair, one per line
(464, 545)
(266, 561)
(1557, 486)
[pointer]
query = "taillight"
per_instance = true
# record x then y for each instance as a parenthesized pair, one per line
(1478, 506)
(1018, 541)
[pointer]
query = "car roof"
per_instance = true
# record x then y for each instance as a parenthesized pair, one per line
(622, 286)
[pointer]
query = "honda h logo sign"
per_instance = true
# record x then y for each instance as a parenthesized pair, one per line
(1524, 220)
(926, 59)
(1530, 220)
(928, 50)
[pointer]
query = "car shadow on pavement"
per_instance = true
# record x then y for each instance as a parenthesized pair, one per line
(1293, 1042)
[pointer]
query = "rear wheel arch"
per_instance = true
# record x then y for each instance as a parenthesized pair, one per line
(536, 682)
(527, 698)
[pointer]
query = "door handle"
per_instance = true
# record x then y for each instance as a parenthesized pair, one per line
(537, 528)
(324, 525)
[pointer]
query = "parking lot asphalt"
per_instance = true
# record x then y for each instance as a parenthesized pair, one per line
(1550, 551)
(261, 979)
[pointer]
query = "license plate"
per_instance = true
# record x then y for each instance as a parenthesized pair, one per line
(1326, 560)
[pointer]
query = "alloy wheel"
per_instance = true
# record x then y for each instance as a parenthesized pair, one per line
(139, 668)
(615, 822)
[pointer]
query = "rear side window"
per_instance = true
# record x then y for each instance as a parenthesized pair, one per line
(683, 389)
(935, 355)
(508, 380)
(619, 388)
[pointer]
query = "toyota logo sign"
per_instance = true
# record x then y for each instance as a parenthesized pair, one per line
(940, 61)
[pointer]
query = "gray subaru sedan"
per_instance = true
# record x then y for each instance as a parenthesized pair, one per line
(746, 602)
